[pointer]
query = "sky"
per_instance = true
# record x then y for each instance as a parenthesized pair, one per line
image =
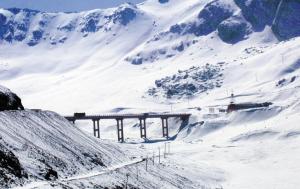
(63, 5)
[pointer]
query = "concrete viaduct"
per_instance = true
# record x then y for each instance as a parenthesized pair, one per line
(120, 117)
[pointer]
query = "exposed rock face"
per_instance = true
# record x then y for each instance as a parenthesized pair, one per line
(10, 167)
(9, 100)
(189, 83)
(258, 12)
(208, 20)
(287, 23)
(233, 30)
(284, 18)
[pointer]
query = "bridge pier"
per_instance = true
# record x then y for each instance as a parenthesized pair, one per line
(165, 127)
(143, 128)
(96, 128)
(120, 130)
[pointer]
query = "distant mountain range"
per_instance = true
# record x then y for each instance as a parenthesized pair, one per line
(233, 21)
(63, 5)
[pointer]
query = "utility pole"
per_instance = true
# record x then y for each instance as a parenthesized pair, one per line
(127, 175)
(147, 163)
(165, 150)
(137, 172)
(153, 158)
(159, 155)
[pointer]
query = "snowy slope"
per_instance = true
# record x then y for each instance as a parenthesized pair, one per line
(40, 149)
(44, 141)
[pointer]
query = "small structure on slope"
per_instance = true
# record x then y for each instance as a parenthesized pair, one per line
(233, 106)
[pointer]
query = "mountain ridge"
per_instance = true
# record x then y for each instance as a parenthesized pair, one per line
(31, 26)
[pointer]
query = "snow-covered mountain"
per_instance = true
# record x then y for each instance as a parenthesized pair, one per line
(63, 5)
(172, 55)
(234, 21)
(68, 51)
(32, 27)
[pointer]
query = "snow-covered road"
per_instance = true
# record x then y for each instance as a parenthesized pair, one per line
(42, 184)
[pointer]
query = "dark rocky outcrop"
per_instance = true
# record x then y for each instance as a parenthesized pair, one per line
(284, 19)
(124, 14)
(188, 83)
(9, 100)
(163, 1)
(233, 26)
(208, 20)
(10, 167)
(287, 23)
(233, 30)
(16, 29)
(258, 12)
(51, 174)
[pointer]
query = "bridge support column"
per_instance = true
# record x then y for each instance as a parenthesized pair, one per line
(143, 128)
(120, 130)
(97, 131)
(96, 126)
(165, 127)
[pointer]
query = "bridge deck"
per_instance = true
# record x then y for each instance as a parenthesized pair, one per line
(126, 116)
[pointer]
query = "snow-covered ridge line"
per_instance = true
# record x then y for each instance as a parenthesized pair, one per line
(32, 27)
(234, 20)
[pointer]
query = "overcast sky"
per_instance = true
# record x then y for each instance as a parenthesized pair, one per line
(63, 5)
